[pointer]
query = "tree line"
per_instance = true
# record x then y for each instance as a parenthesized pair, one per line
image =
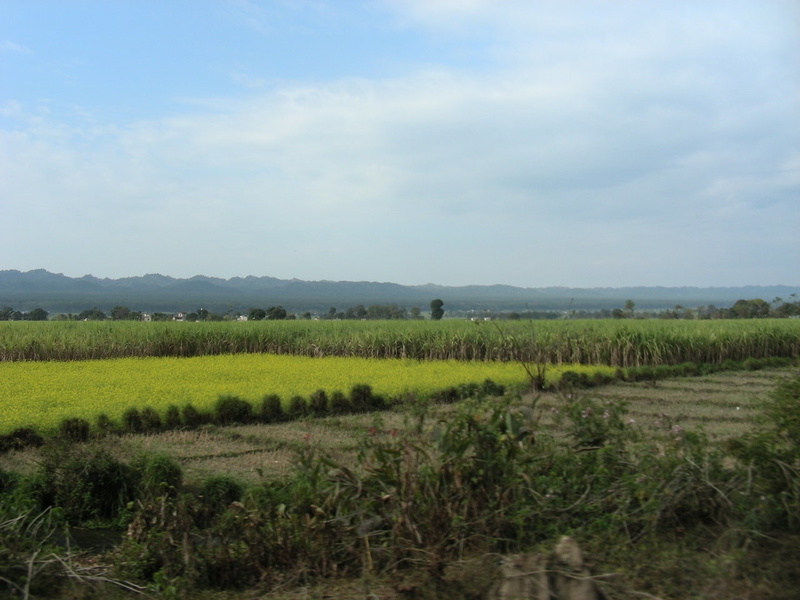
(273, 313)
(755, 308)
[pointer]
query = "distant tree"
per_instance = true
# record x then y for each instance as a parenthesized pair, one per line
(416, 313)
(617, 313)
(94, 314)
(306, 315)
(437, 312)
(750, 309)
(256, 314)
(120, 313)
(355, 312)
(630, 305)
(788, 309)
(191, 317)
(37, 314)
(276, 313)
(331, 314)
(5, 313)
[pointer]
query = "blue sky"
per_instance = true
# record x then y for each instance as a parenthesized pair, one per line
(524, 142)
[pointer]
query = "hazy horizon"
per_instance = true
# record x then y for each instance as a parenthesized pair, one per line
(472, 142)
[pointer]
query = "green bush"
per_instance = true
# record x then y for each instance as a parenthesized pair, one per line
(132, 421)
(232, 409)
(271, 409)
(298, 407)
(361, 397)
(85, 481)
(20, 438)
(192, 418)
(446, 396)
(151, 420)
(220, 491)
(74, 430)
(158, 474)
(172, 418)
(491, 389)
(104, 425)
(318, 403)
(340, 403)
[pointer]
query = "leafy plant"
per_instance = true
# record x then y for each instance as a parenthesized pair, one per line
(232, 409)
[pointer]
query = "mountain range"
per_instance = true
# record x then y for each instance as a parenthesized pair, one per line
(56, 292)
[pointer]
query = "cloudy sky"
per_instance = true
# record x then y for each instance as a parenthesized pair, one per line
(525, 142)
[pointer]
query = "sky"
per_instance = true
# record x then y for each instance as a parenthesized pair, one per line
(535, 143)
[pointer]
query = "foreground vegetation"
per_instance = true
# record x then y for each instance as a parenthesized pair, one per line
(405, 501)
(618, 343)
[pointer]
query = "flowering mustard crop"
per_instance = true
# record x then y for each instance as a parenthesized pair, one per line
(43, 393)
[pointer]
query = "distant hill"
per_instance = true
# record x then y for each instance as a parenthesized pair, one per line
(56, 293)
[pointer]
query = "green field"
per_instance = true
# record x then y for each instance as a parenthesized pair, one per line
(620, 343)
(43, 393)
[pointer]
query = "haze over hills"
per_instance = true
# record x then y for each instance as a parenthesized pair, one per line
(56, 293)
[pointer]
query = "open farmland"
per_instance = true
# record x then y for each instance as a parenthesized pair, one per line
(619, 343)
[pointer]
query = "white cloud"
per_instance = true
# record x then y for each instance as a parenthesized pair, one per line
(606, 149)
(9, 46)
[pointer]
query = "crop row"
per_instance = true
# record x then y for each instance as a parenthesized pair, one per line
(613, 343)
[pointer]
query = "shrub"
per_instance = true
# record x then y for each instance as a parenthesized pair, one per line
(86, 482)
(361, 397)
(271, 409)
(220, 491)
(7, 481)
(192, 417)
(469, 390)
(446, 396)
(689, 369)
(132, 421)
(20, 438)
(74, 430)
(151, 420)
(298, 407)
(172, 419)
(158, 473)
(104, 425)
(232, 409)
(318, 403)
(599, 379)
(340, 403)
(492, 389)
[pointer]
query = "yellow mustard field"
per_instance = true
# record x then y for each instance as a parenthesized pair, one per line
(43, 393)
